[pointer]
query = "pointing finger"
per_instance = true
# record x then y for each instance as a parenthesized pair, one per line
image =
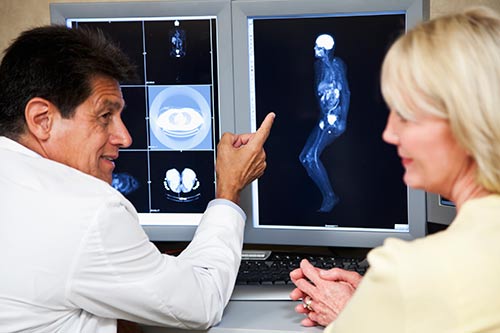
(265, 128)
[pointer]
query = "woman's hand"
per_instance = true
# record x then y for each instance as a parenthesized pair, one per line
(325, 291)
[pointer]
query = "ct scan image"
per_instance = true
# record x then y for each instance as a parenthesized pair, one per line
(180, 117)
(171, 111)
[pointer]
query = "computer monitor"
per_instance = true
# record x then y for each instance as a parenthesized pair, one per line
(241, 60)
(440, 210)
(330, 179)
(176, 110)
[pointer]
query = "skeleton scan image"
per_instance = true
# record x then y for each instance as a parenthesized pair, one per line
(333, 95)
(180, 186)
(178, 41)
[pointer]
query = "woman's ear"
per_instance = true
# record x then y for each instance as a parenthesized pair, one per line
(39, 114)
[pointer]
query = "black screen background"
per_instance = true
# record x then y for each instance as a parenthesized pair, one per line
(364, 171)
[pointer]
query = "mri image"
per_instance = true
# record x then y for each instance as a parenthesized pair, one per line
(181, 186)
(171, 111)
(180, 51)
(124, 183)
(180, 123)
(178, 41)
(333, 95)
(181, 181)
(180, 117)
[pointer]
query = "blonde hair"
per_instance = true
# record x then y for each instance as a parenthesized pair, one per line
(450, 67)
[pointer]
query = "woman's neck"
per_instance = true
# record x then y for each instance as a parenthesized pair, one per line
(466, 189)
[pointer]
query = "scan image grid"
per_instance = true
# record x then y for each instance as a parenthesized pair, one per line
(171, 112)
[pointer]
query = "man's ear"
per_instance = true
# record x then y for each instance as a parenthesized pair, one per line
(39, 114)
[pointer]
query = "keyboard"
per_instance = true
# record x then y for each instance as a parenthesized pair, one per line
(264, 275)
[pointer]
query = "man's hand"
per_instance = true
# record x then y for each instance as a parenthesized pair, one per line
(240, 160)
(326, 291)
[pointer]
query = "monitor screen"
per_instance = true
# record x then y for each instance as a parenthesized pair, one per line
(330, 180)
(173, 111)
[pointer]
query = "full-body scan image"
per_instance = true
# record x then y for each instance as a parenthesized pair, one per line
(333, 96)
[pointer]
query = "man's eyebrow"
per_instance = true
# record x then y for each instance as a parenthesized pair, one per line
(112, 104)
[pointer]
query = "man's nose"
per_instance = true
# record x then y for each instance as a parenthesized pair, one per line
(121, 136)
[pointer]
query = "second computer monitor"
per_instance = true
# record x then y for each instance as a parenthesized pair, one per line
(330, 180)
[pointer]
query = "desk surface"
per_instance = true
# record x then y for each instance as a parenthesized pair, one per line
(252, 317)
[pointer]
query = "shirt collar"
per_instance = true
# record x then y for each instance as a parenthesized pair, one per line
(9, 144)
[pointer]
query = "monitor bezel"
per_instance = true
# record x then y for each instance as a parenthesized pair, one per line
(437, 212)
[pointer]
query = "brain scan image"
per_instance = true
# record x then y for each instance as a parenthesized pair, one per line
(181, 186)
(124, 183)
(180, 117)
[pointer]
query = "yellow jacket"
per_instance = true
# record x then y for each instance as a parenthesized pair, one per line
(448, 282)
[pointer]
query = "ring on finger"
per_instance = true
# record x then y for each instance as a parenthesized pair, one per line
(307, 303)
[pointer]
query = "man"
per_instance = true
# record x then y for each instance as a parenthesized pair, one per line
(73, 257)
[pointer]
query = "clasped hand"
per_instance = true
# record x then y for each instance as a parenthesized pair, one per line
(326, 292)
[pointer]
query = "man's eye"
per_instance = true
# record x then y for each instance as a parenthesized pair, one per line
(106, 116)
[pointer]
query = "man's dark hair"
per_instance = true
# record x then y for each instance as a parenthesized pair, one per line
(58, 64)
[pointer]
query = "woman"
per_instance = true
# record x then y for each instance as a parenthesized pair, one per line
(441, 82)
